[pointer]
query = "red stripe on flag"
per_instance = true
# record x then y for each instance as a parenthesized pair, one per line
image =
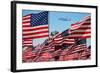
(26, 18)
(25, 22)
(81, 32)
(89, 36)
(26, 26)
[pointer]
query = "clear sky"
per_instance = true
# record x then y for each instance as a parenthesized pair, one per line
(55, 24)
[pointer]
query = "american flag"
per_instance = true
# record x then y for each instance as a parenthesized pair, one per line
(69, 41)
(27, 53)
(60, 39)
(34, 26)
(79, 48)
(66, 40)
(81, 29)
(49, 44)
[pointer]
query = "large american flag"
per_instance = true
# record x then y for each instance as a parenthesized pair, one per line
(81, 29)
(34, 26)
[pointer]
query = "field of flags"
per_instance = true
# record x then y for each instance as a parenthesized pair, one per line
(65, 46)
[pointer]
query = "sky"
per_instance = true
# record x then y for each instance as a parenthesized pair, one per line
(56, 24)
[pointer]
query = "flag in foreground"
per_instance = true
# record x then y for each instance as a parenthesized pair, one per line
(81, 29)
(35, 26)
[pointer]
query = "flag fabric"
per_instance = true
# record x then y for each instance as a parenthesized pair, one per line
(49, 45)
(27, 42)
(62, 39)
(58, 39)
(79, 48)
(74, 26)
(28, 54)
(69, 41)
(81, 29)
(74, 52)
(35, 25)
